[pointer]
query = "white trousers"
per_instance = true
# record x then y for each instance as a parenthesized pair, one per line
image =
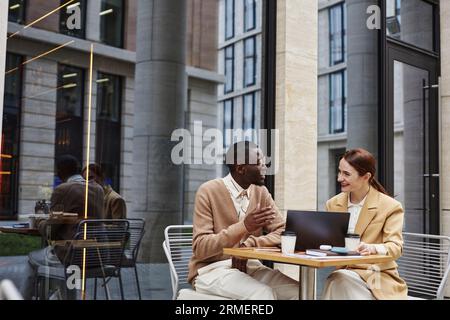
(259, 283)
(346, 285)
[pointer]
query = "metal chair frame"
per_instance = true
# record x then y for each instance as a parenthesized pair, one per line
(425, 264)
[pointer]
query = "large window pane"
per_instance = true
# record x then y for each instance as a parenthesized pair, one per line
(9, 163)
(229, 69)
(67, 24)
(250, 61)
(108, 133)
(228, 122)
(337, 34)
(248, 119)
(250, 15)
(229, 19)
(16, 11)
(112, 22)
(337, 102)
(69, 113)
(411, 21)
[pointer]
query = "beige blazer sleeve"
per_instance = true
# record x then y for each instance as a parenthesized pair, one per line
(206, 243)
(392, 231)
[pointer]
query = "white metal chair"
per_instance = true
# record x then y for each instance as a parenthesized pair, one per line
(178, 249)
(425, 265)
(8, 291)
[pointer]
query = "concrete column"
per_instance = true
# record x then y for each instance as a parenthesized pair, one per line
(296, 107)
(161, 95)
(296, 104)
(362, 78)
(445, 122)
(3, 31)
(93, 20)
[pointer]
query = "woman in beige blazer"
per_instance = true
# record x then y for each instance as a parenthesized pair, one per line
(378, 219)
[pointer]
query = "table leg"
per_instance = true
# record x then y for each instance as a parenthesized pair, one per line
(307, 279)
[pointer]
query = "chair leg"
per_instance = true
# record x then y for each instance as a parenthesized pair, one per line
(105, 286)
(137, 282)
(121, 286)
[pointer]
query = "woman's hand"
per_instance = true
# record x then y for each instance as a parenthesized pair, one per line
(366, 249)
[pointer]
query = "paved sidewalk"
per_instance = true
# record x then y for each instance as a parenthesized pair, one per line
(154, 280)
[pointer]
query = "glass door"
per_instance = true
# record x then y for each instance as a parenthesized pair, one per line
(412, 134)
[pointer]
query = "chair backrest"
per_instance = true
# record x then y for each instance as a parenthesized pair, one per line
(98, 244)
(8, 291)
(137, 230)
(178, 248)
(424, 264)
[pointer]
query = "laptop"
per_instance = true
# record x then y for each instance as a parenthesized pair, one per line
(316, 228)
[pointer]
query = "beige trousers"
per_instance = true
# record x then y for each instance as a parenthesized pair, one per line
(346, 285)
(259, 283)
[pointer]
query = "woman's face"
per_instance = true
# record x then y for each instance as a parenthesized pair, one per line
(350, 179)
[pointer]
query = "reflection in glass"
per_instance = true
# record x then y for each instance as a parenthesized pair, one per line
(411, 21)
(250, 61)
(410, 160)
(10, 138)
(66, 19)
(69, 113)
(16, 11)
(112, 22)
(108, 130)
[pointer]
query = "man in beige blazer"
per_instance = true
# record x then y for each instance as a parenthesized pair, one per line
(237, 211)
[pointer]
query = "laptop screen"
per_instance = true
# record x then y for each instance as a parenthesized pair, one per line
(316, 228)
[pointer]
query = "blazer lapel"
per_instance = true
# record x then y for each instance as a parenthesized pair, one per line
(368, 211)
(341, 204)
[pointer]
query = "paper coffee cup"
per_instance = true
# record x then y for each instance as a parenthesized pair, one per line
(288, 240)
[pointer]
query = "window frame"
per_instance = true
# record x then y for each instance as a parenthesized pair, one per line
(253, 110)
(253, 58)
(99, 121)
(343, 99)
(246, 8)
(23, 15)
(80, 118)
(15, 192)
(233, 19)
(231, 127)
(121, 43)
(343, 33)
(226, 59)
(83, 6)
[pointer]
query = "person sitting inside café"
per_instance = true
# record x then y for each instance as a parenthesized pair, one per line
(70, 198)
(114, 205)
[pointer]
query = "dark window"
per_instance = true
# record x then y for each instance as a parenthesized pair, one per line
(228, 122)
(337, 34)
(112, 22)
(338, 103)
(68, 19)
(250, 15)
(229, 19)
(108, 133)
(16, 11)
(248, 118)
(250, 61)
(69, 113)
(229, 69)
(9, 163)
